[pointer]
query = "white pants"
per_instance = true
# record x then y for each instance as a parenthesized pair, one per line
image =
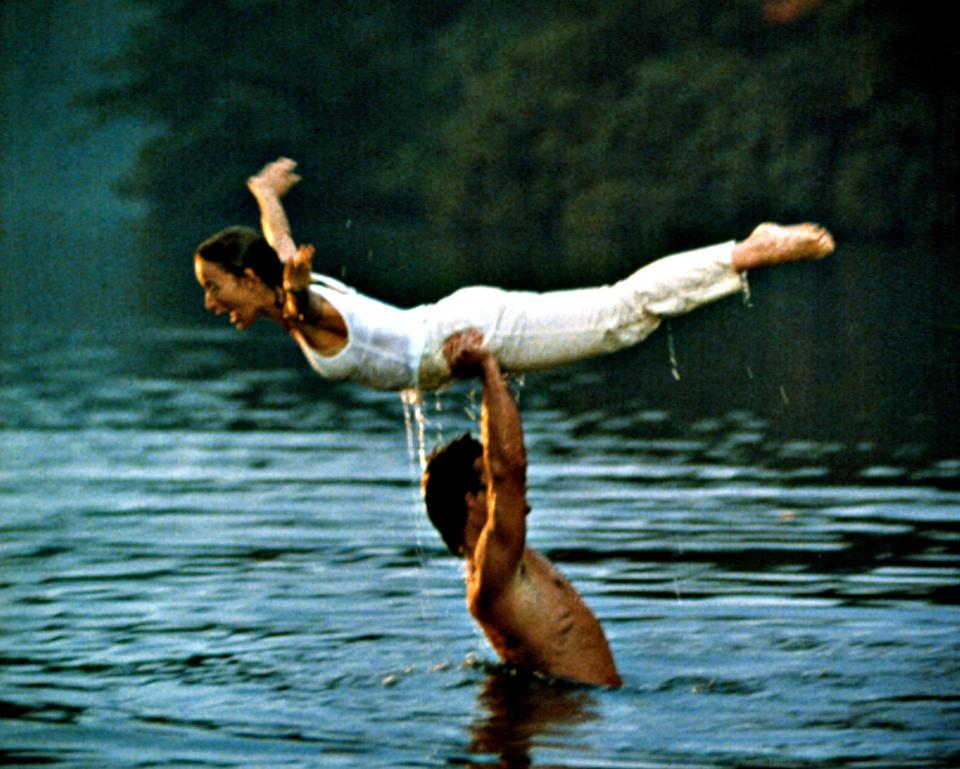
(529, 331)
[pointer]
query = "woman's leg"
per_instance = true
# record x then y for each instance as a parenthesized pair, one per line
(530, 331)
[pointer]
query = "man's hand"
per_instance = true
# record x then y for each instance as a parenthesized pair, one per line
(466, 354)
(296, 281)
(275, 178)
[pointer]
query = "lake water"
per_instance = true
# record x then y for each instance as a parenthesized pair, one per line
(212, 565)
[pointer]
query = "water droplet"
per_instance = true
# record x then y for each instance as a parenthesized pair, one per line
(674, 367)
(412, 401)
(745, 290)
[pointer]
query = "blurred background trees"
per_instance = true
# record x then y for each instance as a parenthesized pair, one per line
(535, 144)
(538, 143)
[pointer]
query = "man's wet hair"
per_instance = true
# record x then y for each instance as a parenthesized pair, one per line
(449, 476)
(237, 248)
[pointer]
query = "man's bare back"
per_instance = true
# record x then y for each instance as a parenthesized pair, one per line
(476, 496)
(540, 622)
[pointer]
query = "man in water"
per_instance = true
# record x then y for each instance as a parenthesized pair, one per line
(475, 495)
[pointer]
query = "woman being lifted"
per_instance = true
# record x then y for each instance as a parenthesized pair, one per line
(346, 335)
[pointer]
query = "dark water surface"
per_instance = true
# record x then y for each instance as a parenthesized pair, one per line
(206, 565)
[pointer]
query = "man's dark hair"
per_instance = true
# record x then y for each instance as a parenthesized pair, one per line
(450, 474)
(237, 248)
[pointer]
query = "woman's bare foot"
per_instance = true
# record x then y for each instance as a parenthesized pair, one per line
(771, 244)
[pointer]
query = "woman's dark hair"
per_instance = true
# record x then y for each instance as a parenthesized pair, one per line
(237, 248)
(450, 474)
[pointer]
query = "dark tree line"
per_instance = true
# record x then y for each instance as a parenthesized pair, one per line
(537, 145)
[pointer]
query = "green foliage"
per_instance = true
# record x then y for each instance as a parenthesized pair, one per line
(590, 139)
(535, 144)
(231, 85)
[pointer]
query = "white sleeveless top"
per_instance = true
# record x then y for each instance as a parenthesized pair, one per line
(384, 343)
(392, 349)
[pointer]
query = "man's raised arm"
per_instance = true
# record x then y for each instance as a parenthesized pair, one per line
(502, 541)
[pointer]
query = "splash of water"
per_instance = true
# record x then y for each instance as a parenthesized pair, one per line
(413, 417)
(415, 421)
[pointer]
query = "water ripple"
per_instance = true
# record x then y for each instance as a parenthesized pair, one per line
(210, 565)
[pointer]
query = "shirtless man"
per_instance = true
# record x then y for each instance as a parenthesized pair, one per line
(475, 495)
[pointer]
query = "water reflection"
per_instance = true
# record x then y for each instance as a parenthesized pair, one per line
(522, 712)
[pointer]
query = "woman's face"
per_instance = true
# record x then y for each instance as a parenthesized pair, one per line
(245, 298)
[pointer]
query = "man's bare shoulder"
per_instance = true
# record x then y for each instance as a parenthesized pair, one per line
(540, 621)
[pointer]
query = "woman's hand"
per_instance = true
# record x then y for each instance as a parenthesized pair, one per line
(296, 282)
(275, 178)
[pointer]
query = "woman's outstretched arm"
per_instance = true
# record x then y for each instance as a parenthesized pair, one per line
(268, 186)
